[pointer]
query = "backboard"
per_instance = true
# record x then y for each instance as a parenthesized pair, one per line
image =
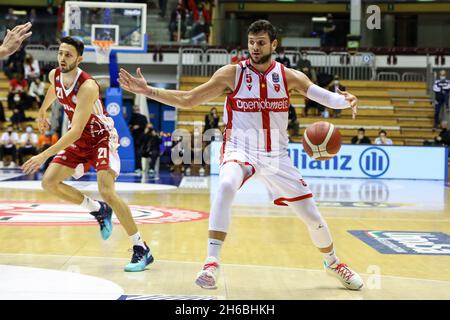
(122, 23)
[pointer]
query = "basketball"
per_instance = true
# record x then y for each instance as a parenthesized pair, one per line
(322, 140)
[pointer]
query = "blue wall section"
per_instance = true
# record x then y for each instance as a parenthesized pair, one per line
(113, 104)
(161, 116)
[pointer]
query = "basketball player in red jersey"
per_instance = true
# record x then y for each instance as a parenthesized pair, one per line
(255, 142)
(91, 140)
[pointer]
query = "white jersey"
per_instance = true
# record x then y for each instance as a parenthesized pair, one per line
(256, 113)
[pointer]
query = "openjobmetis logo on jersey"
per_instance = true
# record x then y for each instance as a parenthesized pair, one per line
(60, 214)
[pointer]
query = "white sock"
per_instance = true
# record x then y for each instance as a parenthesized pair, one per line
(137, 240)
(330, 258)
(214, 247)
(90, 204)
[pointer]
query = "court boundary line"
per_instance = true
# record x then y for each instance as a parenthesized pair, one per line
(223, 264)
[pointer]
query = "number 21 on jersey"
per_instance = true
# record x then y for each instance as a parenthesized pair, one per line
(102, 153)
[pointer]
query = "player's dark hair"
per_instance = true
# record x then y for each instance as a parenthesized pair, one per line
(78, 44)
(362, 129)
(263, 26)
(382, 131)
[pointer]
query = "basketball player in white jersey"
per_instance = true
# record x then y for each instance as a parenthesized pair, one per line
(255, 142)
(91, 140)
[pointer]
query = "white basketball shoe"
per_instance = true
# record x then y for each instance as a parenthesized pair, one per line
(349, 278)
(207, 278)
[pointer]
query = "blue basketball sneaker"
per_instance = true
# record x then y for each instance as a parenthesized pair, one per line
(141, 258)
(104, 219)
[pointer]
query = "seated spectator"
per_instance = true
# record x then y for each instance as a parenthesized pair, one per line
(2, 115)
(200, 32)
(31, 67)
(293, 124)
(45, 141)
(311, 104)
(178, 14)
(361, 138)
(17, 118)
(305, 66)
(211, 120)
(383, 139)
(28, 145)
(14, 64)
(37, 91)
(8, 151)
(443, 139)
(150, 150)
(281, 58)
(17, 96)
(334, 88)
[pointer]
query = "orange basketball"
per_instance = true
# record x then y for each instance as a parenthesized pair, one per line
(322, 140)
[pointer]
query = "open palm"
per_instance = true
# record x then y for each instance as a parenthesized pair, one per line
(131, 83)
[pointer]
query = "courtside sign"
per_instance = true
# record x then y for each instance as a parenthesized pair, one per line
(366, 161)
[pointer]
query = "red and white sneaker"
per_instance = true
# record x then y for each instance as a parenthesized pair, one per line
(349, 278)
(207, 278)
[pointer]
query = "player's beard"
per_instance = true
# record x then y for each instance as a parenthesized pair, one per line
(262, 59)
(69, 68)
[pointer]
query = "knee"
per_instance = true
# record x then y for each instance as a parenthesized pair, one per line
(227, 187)
(107, 195)
(49, 184)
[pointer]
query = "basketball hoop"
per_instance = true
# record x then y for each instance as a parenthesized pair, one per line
(102, 50)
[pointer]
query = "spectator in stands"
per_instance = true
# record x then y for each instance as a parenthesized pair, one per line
(211, 120)
(200, 32)
(283, 59)
(293, 124)
(383, 139)
(28, 144)
(45, 141)
(334, 88)
(37, 91)
(305, 66)
(443, 139)
(137, 125)
(150, 150)
(8, 151)
(31, 67)
(14, 64)
(2, 115)
(178, 14)
(162, 8)
(17, 118)
(361, 138)
(441, 90)
(11, 19)
(327, 37)
(17, 96)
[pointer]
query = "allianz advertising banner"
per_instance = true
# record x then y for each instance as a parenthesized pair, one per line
(366, 161)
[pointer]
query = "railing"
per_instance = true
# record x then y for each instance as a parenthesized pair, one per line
(359, 66)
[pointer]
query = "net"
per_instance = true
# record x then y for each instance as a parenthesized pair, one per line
(102, 50)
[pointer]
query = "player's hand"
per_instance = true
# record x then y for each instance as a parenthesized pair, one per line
(352, 100)
(43, 124)
(15, 37)
(133, 84)
(33, 164)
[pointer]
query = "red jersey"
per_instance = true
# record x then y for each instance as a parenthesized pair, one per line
(100, 126)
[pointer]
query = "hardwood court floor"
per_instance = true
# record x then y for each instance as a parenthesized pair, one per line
(268, 253)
